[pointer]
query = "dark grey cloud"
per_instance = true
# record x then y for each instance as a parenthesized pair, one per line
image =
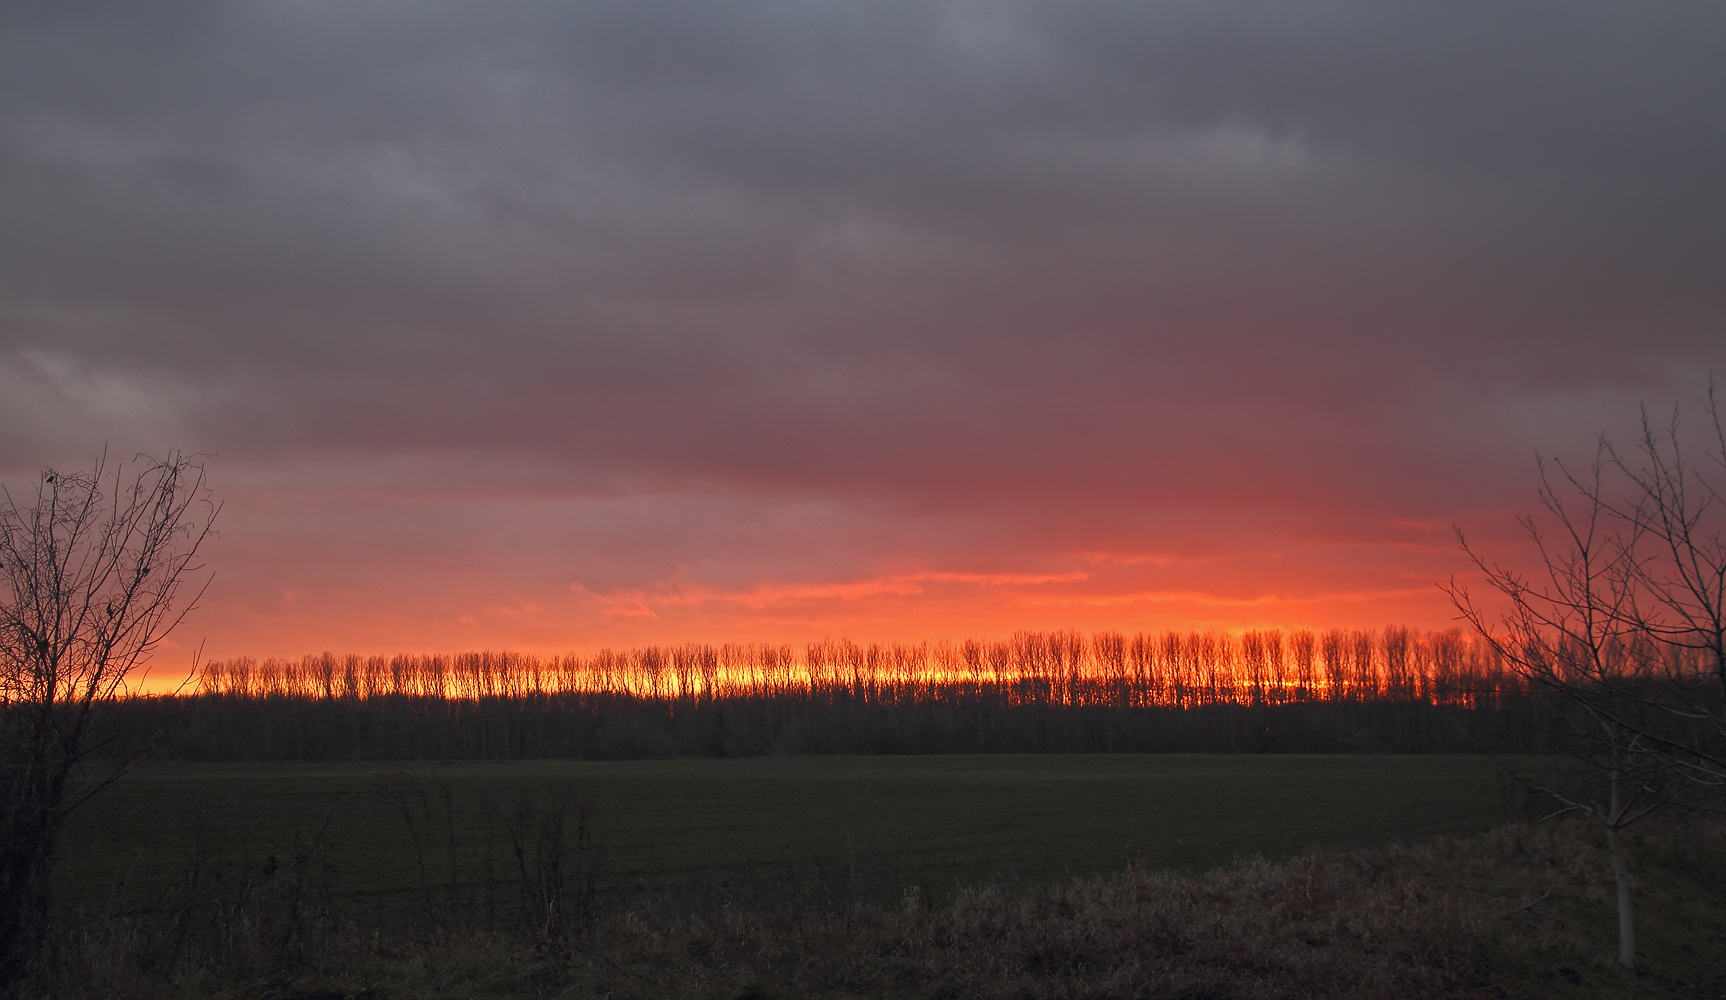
(937, 253)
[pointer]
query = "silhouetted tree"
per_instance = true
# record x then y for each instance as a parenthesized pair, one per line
(1621, 628)
(91, 578)
(1676, 513)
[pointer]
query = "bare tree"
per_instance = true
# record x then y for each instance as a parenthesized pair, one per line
(1619, 631)
(93, 576)
(1677, 512)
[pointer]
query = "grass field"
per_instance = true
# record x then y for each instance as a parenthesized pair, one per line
(870, 877)
(758, 832)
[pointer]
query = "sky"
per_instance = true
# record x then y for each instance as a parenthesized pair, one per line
(556, 326)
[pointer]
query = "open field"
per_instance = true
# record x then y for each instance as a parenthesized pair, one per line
(756, 832)
(1518, 911)
(1033, 876)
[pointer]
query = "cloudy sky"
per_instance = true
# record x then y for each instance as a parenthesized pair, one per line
(552, 326)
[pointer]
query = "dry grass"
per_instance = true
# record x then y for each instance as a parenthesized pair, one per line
(1522, 911)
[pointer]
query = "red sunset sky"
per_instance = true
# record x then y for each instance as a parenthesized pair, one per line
(553, 327)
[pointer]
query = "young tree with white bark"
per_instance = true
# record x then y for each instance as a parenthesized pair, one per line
(1621, 629)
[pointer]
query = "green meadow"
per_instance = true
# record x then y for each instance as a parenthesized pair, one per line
(394, 841)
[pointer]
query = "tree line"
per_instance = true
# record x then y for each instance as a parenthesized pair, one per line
(1064, 667)
(1395, 690)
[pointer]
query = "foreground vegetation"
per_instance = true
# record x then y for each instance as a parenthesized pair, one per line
(1517, 912)
(1052, 876)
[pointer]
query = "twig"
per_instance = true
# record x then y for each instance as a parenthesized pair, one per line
(1528, 906)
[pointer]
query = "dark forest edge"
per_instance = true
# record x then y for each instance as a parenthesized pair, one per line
(1337, 691)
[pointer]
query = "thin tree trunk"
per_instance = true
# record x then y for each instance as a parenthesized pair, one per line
(1626, 915)
(1621, 872)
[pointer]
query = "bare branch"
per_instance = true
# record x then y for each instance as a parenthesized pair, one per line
(93, 579)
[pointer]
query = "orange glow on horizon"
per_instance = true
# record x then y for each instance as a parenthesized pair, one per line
(1175, 669)
(932, 606)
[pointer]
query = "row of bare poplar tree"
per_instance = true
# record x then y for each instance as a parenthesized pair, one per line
(1170, 669)
(1058, 691)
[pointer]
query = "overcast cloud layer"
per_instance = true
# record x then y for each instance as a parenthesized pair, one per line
(554, 325)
